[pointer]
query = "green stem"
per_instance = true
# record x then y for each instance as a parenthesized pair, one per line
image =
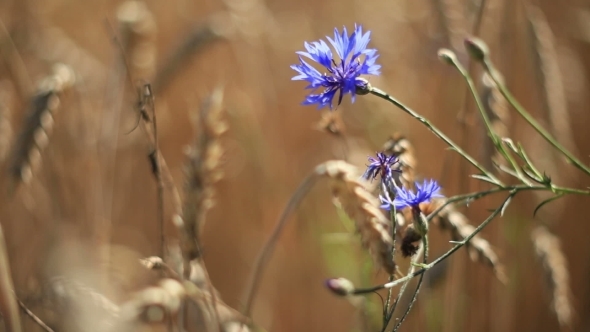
(486, 119)
(384, 95)
(488, 66)
(441, 258)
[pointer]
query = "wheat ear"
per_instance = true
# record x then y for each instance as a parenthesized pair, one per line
(548, 249)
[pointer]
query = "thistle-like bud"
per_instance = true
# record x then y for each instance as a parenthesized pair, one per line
(363, 86)
(447, 56)
(477, 48)
(340, 286)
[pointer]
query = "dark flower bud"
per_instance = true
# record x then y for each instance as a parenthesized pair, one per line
(447, 56)
(340, 286)
(477, 48)
(363, 86)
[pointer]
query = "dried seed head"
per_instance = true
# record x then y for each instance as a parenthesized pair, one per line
(202, 171)
(38, 124)
(548, 250)
(362, 207)
(410, 241)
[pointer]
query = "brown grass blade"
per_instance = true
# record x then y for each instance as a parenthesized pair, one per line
(548, 250)
(362, 207)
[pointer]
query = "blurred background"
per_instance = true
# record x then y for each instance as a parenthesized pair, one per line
(89, 209)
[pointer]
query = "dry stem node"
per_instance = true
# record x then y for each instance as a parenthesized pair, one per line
(548, 250)
(362, 207)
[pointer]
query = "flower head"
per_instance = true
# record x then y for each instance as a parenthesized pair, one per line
(380, 166)
(426, 191)
(355, 59)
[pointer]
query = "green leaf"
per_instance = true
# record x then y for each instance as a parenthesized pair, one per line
(549, 200)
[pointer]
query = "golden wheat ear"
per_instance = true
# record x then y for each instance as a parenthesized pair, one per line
(38, 124)
(361, 206)
(548, 249)
(480, 250)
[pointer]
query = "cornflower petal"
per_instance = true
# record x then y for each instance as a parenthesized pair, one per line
(342, 75)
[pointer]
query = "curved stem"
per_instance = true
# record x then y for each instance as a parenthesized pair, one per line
(384, 95)
(486, 119)
(489, 68)
(268, 248)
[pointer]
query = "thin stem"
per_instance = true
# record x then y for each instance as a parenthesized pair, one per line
(403, 288)
(393, 218)
(486, 119)
(415, 296)
(384, 95)
(268, 248)
(441, 258)
(488, 66)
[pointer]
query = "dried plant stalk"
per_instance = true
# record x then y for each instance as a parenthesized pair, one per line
(496, 107)
(8, 303)
(202, 172)
(362, 207)
(549, 74)
(52, 45)
(34, 135)
(200, 38)
(5, 124)
(548, 250)
(138, 29)
(479, 249)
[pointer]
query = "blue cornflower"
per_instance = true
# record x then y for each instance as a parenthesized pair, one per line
(355, 60)
(426, 191)
(380, 166)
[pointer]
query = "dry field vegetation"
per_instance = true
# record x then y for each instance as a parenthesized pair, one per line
(91, 193)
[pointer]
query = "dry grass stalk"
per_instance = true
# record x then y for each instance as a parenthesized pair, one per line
(38, 123)
(548, 250)
(138, 29)
(200, 38)
(51, 44)
(8, 302)
(479, 249)
(549, 74)
(5, 124)
(202, 172)
(362, 207)
(496, 107)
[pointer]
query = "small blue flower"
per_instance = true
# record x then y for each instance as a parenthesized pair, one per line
(380, 166)
(355, 60)
(426, 191)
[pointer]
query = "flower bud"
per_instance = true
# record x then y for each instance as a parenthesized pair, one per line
(477, 48)
(340, 286)
(363, 86)
(447, 56)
